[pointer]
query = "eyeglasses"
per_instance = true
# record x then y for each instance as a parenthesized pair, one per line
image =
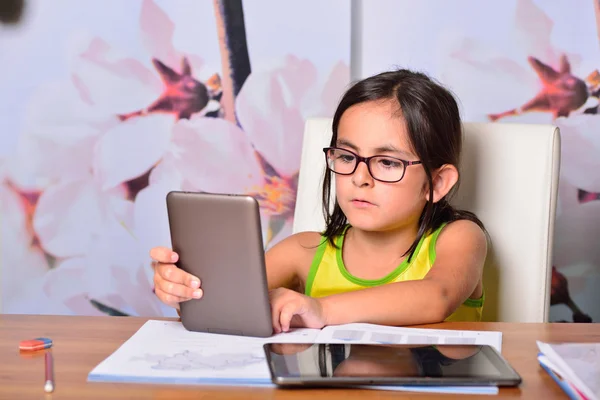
(382, 168)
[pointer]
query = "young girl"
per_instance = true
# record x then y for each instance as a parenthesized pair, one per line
(394, 251)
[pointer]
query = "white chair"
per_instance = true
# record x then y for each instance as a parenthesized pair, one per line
(509, 178)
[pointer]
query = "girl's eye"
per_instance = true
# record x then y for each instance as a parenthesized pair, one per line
(346, 158)
(389, 163)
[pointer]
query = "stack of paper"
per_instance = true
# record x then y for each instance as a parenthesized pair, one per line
(574, 366)
(165, 352)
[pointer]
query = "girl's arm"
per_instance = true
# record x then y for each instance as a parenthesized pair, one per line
(461, 249)
(288, 262)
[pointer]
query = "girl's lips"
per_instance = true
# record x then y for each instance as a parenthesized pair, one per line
(362, 203)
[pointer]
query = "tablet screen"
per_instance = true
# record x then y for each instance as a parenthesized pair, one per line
(313, 362)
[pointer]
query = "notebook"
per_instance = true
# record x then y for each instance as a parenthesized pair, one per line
(574, 366)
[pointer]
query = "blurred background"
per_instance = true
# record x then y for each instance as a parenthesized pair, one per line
(105, 106)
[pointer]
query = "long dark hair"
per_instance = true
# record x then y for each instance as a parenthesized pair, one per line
(432, 120)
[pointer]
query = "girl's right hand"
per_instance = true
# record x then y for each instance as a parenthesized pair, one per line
(171, 284)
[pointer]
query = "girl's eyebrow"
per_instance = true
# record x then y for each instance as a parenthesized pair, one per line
(388, 148)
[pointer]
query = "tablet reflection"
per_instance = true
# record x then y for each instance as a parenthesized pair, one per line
(393, 361)
(363, 360)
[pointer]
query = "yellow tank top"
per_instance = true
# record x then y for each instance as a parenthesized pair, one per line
(328, 275)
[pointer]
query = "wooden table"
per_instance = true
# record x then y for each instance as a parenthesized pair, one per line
(80, 343)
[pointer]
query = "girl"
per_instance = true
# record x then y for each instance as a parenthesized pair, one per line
(394, 251)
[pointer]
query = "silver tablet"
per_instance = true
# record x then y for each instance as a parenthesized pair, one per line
(343, 364)
(218, 238)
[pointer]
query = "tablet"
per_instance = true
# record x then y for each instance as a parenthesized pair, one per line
(378, 364)
(219, 239)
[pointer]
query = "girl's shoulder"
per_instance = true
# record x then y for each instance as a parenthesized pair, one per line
(462, 230)
(462, 227)
(299, 245)
(297, 251)
(306, 241)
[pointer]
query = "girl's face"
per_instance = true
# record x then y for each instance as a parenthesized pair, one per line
(374, 128)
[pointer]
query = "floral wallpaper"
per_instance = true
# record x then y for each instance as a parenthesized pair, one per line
(518, 61)
(118, 103)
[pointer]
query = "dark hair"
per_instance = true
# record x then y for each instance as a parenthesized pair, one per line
(434, 128)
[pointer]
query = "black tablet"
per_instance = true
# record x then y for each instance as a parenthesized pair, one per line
(321, 364)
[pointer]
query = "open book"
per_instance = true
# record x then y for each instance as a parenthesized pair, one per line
(165, 352)
(574, 366)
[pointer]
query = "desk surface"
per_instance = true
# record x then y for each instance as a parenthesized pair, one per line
(80, 343)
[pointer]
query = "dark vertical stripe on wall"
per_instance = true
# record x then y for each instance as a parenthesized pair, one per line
(235, 33)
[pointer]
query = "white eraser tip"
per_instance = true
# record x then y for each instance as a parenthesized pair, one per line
(49, 387)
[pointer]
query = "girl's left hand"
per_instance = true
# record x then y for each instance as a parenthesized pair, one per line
(290, 308)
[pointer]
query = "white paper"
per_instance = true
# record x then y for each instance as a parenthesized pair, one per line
(577, 363)
(165, 352)
(369, 333)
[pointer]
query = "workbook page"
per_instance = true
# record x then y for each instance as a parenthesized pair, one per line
(370, 333)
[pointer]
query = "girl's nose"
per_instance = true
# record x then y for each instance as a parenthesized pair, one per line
(362, 176)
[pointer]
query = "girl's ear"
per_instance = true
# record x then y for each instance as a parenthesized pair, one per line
(444, 179)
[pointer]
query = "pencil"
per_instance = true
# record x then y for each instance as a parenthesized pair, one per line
(49, 385)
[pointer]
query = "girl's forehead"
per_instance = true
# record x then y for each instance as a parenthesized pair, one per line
(373, 125)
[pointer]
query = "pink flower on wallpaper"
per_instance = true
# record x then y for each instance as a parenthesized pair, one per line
(124, 89)
(533, 82)
(106, 146)
(522, 76)
(207, 154)
(110, 275)
(157, 36)
(273, 105)
(56, 150)
(78, 143)
(128, 87)
(272, 108)
(82, 142)
(70, 215)
(23, 260)
(261, 158)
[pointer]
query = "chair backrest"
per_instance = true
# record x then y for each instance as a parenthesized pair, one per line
(509, 179)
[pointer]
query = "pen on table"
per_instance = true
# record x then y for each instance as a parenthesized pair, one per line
(49, 385)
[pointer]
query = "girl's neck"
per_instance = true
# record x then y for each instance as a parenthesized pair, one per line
(382, 243)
